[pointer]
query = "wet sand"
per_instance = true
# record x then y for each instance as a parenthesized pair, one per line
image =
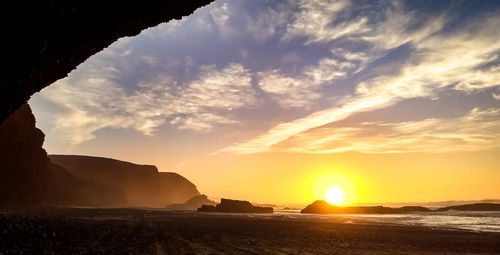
(131, 231)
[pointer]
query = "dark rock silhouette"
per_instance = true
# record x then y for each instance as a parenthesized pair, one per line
(472, 207)
(44, 40)
(24, 166)
(322, 207)
(69, 190)
(27, 177)
(143, 185)
(235, 206)
(192, 204)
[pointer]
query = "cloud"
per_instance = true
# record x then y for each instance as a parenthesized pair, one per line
(220, 15)
(339, 56)
(300, 91)
(438, 61)
(214, 91)
(495, 96)
(199, 105)
(477, 130)
(315, 18)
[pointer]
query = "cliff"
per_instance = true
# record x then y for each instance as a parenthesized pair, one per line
(138, 182)
(192, 204)
(27, 177)
(174, 188)
(322, 207)
(143, 185)
(235, 206)
(42, 41)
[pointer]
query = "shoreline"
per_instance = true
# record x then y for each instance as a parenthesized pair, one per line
(105, 231)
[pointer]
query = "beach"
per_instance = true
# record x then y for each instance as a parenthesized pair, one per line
(137, 231)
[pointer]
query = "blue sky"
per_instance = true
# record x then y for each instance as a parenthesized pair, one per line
(246, 77)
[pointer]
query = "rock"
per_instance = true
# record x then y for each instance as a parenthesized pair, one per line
(176, 189)
(472, 207)
(27, 177)
(143, 185)
(322, 207)
(44, 40)
(192, 204)
(24, 166)
(235, 206)
(138, 182)
(74, 191)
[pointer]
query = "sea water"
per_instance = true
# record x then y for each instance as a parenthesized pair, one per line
(473, 221)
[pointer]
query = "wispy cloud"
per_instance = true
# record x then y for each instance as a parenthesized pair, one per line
(301, 90)
(314, 20)
(495, 96)
(477, 130)
(199, 105)
(304, 63)
(438, 61)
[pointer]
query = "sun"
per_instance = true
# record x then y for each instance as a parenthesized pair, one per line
(334, 195)
(335, 188)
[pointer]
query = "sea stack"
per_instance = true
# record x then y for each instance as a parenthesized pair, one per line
(235, 206)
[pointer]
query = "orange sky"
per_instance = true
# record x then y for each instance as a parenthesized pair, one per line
(405, 177)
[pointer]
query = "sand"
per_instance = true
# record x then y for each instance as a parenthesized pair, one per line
(131, 231)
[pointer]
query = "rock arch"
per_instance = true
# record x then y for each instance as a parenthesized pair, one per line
(43, 41)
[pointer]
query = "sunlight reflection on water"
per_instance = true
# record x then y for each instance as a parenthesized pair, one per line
(474, 221)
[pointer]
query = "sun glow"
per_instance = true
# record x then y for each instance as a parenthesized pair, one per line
(336, 189)
(334, 195)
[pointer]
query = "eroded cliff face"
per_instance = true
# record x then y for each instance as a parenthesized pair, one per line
(138, 182)
(176, 189)
(27, 177)
(143, 185)
(42, 41)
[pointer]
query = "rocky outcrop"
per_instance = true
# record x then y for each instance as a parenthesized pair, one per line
(143, 185)
(44, 40)
(322, 207)
(27, 177)
(192, 204)
(472, 207)
(235, 206)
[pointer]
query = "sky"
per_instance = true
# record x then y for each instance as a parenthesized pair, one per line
(273, 101)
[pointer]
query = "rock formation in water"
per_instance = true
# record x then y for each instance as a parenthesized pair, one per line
(27, 177)
(322, 207)
(192, 204)
(143, 185)
(235, 206)
(42, 41)
(472, 207)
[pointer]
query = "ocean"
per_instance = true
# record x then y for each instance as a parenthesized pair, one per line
(473, 221)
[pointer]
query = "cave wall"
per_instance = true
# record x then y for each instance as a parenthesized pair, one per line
(42, 41)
